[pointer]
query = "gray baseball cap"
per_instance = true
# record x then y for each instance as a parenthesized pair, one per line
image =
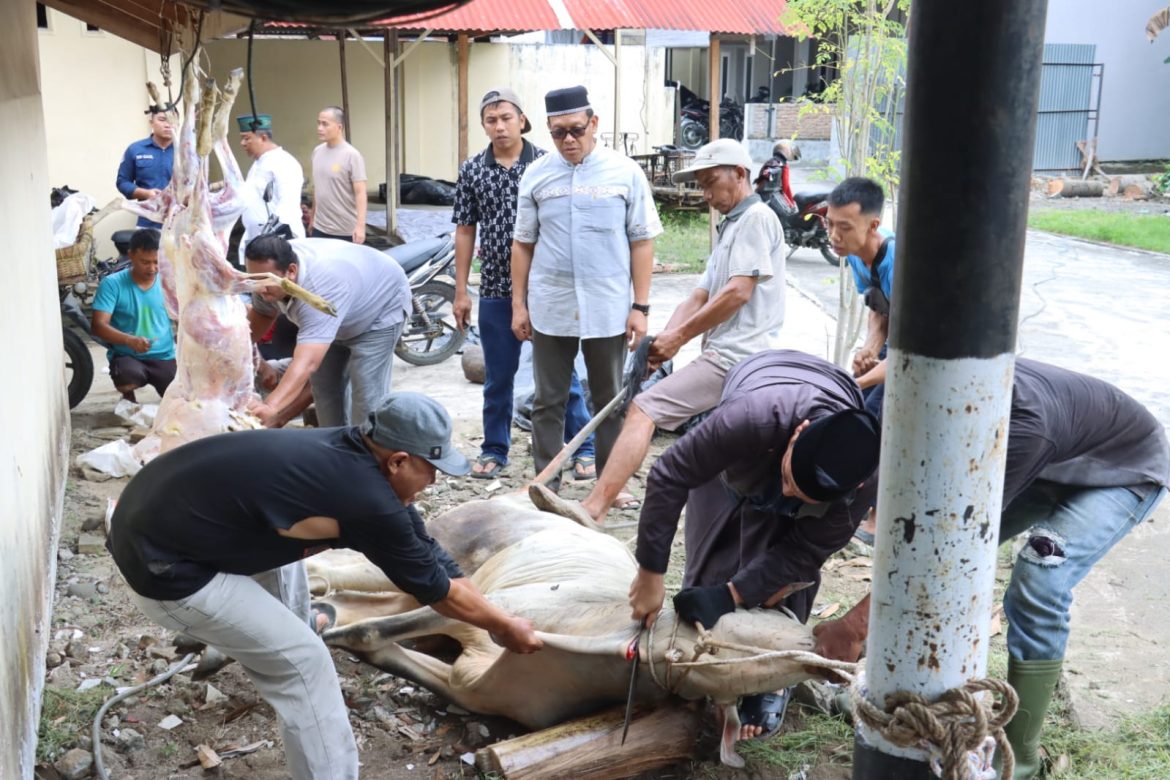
(507, 95)
(724, 151)
(419, 425)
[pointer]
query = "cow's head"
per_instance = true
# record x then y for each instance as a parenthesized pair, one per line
(763, 629)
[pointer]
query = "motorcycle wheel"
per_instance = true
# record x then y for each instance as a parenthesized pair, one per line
(692, 135)
(423, 346)
(830, 257)
(78, 367)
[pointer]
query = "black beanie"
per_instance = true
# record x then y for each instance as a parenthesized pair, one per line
(835, 454)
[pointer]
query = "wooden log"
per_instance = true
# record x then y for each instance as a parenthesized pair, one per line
(1138, 190)
(1075, 188)
(590, 748)
(1117, 184)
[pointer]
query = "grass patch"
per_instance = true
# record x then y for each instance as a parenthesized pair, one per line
(64, 715)
(820, 736)
(685, 241)
(1139, 749)
(1142, 231)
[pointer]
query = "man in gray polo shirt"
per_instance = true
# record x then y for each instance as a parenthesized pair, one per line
(347, 358)
(738, 303)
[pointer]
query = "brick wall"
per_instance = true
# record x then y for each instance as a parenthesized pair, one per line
(813, 125)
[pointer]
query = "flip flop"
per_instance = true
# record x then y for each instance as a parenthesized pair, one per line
(316, 611)
(865, 537)
(765, 710)
(584, 468)
(626, 503)
(490, 473)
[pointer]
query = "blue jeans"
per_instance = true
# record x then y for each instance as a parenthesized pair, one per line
(1070, 529)
(501, 356)
(876, 394)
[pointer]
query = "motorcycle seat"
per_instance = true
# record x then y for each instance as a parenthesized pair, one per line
(121, 239)
(414, 253)
(809, 197)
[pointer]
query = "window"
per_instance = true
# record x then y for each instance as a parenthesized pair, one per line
(42, 17)
(92, 27)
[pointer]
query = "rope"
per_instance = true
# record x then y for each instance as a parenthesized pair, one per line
(950, 728)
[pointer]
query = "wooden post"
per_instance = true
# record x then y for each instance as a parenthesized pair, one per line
(344, 83)
(464, 48)
(389, 52)
(617, 91)
(714, 95)
(591, 748)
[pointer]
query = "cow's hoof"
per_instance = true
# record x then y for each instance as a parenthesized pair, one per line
(547, 501)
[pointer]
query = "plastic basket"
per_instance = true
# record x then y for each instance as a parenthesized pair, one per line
(73, 260)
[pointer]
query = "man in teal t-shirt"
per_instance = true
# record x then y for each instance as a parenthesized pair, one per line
(129, 314)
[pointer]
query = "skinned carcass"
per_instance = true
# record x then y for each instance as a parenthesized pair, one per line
(213, 383)
(572, 583)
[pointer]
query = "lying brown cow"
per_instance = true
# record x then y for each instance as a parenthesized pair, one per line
(572, 583)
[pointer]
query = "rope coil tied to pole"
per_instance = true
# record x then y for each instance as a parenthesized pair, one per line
(960, 729)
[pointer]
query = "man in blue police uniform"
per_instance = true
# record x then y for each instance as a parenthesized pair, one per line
(147, 164)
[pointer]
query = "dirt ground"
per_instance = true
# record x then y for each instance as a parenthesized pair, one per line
(101, 642)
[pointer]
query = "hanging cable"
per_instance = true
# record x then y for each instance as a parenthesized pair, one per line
(255, 123)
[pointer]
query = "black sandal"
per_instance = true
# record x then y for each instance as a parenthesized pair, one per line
(765, 710)
(490, 473)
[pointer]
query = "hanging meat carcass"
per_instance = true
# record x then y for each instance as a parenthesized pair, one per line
(214, 379)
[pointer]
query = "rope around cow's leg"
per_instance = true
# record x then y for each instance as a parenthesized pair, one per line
(950, 728)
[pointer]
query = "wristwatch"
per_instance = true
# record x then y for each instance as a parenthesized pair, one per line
(642, 307)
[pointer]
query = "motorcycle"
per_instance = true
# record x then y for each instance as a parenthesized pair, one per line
(431, 335)
(75, 326)
(696, 117)
(805, 219)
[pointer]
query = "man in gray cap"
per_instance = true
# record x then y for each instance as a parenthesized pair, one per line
(738, 303)
(769, 482)
(582, 253)
(271, 166)
(485, 208)
(193, 524)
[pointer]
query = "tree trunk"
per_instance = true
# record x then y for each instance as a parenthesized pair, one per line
(590, 748)
(1118, 184)
(1139, 190)
(1075, 188)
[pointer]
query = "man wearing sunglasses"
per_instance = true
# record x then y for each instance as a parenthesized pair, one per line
(855, 218)
(582, 252)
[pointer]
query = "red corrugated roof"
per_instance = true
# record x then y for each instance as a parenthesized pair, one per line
(742, 17)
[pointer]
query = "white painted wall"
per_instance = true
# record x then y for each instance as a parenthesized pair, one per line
(1135, 101)
(94, 87)
(33, 410)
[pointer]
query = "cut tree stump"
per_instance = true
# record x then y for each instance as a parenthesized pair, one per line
(1119, 184)
(591, 748)
(1075, 188)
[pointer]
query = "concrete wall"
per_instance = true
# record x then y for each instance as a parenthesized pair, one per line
(94, 98)
(34, 414)
(1135, 101)
(294, 79)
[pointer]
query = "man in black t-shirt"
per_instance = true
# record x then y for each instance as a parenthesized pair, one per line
(196, 521)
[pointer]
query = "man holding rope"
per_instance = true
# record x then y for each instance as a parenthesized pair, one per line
(768, 481)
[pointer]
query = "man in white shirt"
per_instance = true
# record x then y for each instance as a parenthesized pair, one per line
(271, 164)
(582, 251)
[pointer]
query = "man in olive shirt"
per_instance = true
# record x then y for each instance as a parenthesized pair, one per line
(195, 522)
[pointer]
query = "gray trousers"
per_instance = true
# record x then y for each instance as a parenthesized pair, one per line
(289, 665)
(552, 370)
(290, 584)
(354, 377)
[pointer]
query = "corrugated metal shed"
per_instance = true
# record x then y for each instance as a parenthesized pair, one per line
(758, 17)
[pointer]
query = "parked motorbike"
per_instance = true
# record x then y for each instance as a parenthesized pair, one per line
(75, 325)
(696, 117)
(431, 335)
(805, 224)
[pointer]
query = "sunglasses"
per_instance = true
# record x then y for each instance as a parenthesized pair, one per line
(559, 133)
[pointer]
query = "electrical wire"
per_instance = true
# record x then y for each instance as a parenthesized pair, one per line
(255, 123)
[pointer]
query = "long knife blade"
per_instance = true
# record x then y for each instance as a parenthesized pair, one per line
(632, 650)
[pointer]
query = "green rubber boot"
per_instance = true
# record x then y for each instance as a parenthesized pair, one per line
(1034, 682)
